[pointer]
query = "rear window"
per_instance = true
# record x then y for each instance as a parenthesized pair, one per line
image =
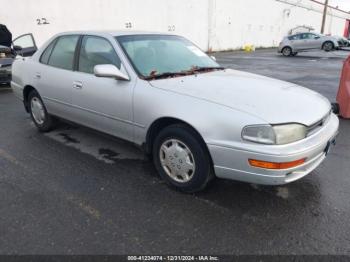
(62, 55)
(294, 37)
(46, 54)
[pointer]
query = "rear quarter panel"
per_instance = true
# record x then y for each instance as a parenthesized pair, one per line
(23, 72)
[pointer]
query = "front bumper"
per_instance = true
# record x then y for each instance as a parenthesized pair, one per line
(5, 76)
(232, 163)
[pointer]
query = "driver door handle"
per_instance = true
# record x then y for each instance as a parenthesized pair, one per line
(77, 85)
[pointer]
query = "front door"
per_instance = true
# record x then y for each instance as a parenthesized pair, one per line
(101, 103)
(25, 45)
(310, 41)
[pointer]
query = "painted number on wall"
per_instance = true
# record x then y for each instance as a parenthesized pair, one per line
(171, 28)
(42, 21)
(128, 25)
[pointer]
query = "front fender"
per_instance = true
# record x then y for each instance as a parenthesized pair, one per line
(217, 124)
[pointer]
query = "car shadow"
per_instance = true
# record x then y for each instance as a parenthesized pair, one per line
(228, 195)
(250, 198)
(5, 89)
(327, 56)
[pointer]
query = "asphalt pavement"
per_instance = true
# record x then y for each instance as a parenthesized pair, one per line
(76, 191)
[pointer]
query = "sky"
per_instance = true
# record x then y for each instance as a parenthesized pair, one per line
(343, 4)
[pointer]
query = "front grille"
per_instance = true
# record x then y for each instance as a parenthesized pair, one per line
(342, 43)
(318, 125)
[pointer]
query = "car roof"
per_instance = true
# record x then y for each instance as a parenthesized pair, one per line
(112, 33)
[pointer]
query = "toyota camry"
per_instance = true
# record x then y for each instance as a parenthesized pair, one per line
(196, 119)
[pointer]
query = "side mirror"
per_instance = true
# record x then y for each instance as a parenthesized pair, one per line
(110, 71)
(317, 37)
(213, 57)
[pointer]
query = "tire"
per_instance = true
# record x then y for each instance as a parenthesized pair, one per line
(182, 159)
(336, 108)
(41, 118)
(328, 46)
(287, 51)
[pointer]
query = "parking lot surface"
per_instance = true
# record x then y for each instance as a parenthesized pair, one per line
(76, 191)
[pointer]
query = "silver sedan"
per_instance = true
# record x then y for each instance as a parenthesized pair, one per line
(196, 119)
(302, 42)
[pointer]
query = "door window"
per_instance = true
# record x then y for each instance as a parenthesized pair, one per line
(62, 55)
(25, 41)
(307, 36)
(96, 51)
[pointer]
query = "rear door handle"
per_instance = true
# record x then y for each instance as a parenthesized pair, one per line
(77, 85)
(37, 75)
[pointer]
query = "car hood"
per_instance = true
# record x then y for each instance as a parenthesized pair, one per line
(271, 100)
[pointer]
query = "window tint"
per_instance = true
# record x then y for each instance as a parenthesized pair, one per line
(96, 51)
(63, 54)
(46, 54)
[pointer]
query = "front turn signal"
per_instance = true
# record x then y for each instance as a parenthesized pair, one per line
(276, 166)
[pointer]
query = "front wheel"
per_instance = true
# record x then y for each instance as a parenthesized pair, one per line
(182, 159)
(41, 118)
(328, 46)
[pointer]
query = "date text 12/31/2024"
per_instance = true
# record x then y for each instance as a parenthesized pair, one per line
(173, 258)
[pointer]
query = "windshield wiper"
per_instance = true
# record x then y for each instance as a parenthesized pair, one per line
(164, 75)
(183, 73)
(207, 68)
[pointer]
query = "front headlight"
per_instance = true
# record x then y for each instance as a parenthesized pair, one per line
(286, 134)
(263, 134)
(274, 135)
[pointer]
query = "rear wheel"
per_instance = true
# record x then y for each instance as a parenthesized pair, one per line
(328, 46)
(182, 159)
(287, 51)
(41, 118)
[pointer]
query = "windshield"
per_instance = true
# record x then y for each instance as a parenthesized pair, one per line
(156, 55)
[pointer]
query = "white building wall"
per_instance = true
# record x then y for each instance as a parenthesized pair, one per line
(212, 24)
(185, 17)
(263, 23)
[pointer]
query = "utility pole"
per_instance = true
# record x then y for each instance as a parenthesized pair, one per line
(324, 16)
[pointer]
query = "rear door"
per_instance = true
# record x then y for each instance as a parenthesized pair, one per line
(54, 75)
(26, 43)
(295, 42)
